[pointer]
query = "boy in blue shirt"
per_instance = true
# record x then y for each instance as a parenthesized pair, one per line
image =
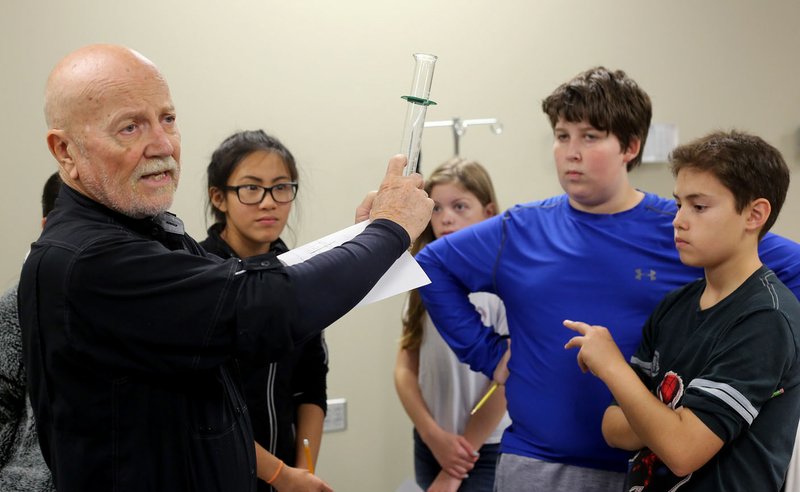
(714, 386)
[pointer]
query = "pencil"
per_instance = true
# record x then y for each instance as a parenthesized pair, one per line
(485, 397)
(308, 456)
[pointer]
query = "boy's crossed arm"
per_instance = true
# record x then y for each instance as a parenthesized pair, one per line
(678, 437)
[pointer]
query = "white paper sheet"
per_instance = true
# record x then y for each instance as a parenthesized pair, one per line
(405, 274)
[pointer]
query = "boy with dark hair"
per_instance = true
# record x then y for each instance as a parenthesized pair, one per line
(22, 467)
(609, 101)
(602, 251)
(710, 393)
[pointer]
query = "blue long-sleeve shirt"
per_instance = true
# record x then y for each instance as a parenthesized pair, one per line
(549, 262)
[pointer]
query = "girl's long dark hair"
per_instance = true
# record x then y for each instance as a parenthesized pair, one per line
(232, 151)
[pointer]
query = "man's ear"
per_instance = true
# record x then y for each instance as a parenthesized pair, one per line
(634, 146)
(62, 148)
(489, 210)
(757, 214)
(217, 199)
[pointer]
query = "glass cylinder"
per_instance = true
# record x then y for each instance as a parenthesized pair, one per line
(418, 103)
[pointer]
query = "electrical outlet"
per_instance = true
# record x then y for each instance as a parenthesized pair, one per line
(336, 418)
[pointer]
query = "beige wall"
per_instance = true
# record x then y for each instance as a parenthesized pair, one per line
(326, 77)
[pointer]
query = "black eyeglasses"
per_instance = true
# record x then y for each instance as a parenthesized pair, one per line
(251, 194)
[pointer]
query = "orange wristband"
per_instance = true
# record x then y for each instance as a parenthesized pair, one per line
(277, 472)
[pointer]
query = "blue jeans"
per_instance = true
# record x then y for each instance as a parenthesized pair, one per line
(481, 477)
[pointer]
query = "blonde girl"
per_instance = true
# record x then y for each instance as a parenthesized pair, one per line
(453, 451)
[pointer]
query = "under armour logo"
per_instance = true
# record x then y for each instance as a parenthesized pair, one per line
(640, 274)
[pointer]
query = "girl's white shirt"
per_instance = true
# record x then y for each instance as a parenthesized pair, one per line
(450, 388)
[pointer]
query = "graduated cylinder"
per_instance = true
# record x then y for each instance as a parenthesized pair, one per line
(418, 102)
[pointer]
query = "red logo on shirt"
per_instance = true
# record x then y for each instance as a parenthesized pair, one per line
(670, 391)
